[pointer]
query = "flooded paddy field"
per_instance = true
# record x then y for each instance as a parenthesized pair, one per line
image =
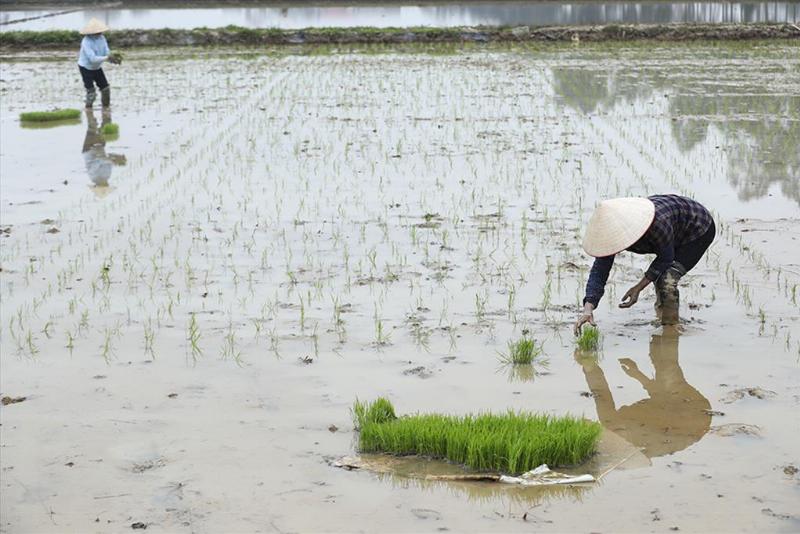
(191, 308)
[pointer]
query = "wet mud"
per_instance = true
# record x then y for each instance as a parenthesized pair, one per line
(190, 342)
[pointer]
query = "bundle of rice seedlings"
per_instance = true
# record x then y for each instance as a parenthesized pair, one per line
(54, 115)
(589, 339)
(514, 442)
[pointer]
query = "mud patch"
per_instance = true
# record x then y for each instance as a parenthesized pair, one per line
(12, 400)
(148, 465)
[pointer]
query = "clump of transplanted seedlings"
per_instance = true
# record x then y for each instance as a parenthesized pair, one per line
(110, 131)
(513, 442)
(521, 352)
(589, 339)
(47, 116)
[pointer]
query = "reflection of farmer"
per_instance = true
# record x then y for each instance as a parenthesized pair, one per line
(678, 230)
(94, 51)
(98, 164)
(673, 417)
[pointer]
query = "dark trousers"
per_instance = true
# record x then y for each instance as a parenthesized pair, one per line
(690, 253)
(91, 77)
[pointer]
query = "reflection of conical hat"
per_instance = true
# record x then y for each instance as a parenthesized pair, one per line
(94, 26)
(101, 191)
(617, 224)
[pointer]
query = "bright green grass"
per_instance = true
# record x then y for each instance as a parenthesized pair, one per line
(521, 352)
(589, 338)
(55, 115)
(110, 129)
(514, 442)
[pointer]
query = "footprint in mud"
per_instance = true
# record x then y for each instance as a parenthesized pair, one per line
(148, 465)
(757, 392)
(426, 513)
(736, 429)
(770, 513)
(421, 372)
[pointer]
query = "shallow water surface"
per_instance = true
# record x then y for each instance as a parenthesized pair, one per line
(472, 14)
(280, 234)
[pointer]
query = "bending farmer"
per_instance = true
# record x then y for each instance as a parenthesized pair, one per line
(94, 51)
(678, 230)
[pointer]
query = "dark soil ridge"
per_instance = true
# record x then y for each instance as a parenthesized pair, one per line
(233, 35)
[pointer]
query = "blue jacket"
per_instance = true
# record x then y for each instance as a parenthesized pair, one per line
(94, 50)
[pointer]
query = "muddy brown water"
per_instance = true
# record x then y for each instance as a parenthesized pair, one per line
(545, 13)
(320, 222)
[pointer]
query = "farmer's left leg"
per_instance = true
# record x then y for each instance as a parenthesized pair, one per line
(88, 84)
(105, 88)
(686, 257)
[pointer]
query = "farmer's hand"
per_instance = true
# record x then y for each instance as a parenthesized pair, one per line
(631, 297)
(115, 58)
(586, 317)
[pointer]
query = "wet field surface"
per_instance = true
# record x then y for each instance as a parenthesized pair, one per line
(490, 14)
(191, 308)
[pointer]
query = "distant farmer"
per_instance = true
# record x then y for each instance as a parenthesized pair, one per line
(678, 230)
(94, 51)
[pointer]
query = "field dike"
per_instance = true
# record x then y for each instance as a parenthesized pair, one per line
(233, 35)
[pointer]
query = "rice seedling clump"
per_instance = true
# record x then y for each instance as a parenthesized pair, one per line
(521, 352)
(513, 442)
(55, 115)
(589, 338)
(110, 129)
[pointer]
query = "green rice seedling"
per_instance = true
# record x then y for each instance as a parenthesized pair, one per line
(589, 339)
(513, 442)
(378, 411)
(193, 337)
(521, 352)
(110, 131)
(47, 116)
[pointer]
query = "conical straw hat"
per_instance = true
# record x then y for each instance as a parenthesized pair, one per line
(94, 26)
(617, 224)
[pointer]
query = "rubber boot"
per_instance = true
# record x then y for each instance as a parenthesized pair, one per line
(105, 96)
(90, 96)
(668, 295)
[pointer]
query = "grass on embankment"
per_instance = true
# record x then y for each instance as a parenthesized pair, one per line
(46, 116)
(512, 443)
(235, 35)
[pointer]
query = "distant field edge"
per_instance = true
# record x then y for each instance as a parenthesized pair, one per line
(232, 35)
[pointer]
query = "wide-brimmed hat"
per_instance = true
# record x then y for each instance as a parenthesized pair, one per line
(617, 224)
(94, 26)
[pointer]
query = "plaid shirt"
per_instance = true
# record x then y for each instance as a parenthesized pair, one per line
(678, 220)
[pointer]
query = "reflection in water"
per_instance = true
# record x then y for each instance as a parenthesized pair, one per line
(674, 416)
(760, 127)
(398, 15)
(419, 473)
(524, 372)
(492, 492)
(99, 165)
